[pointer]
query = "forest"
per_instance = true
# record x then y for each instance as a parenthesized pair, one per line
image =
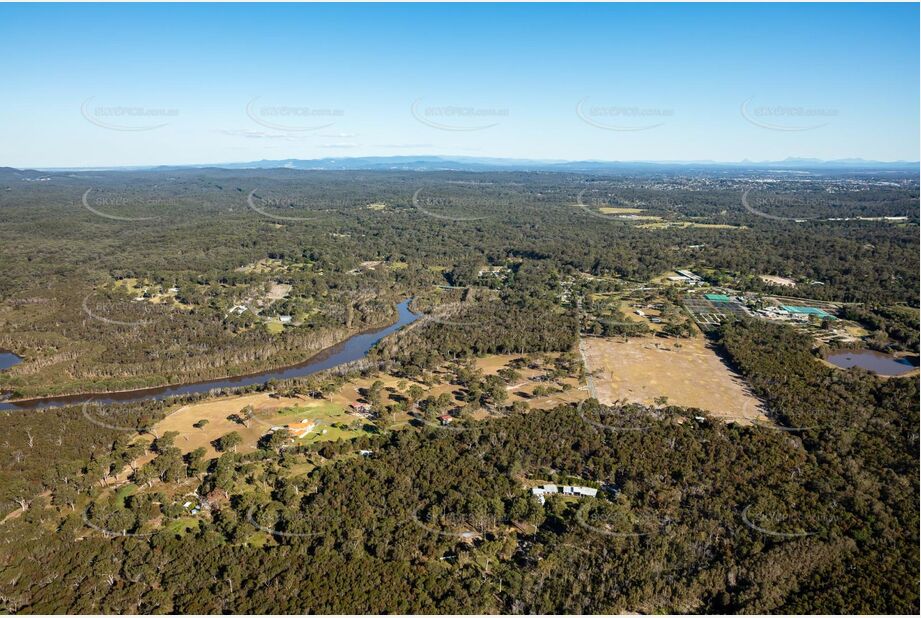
(815, 511)
(692, 515)
(120, 280)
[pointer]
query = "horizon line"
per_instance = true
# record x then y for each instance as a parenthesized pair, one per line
(485, 160)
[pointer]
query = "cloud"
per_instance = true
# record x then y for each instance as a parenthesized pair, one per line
(404, 145)
(248, 134)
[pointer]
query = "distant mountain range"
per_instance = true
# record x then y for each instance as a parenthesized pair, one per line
(485, 164)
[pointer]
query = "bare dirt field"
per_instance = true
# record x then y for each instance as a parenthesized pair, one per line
(688, 372)
(216, 411)
(776, 280)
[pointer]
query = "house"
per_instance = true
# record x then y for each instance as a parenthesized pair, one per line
(568, 490)
(301, 429)
(446, 419)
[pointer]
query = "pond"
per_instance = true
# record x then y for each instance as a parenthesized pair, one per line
(8, 359)
(875, 362)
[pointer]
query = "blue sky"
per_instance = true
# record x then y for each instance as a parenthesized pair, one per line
(111, 84)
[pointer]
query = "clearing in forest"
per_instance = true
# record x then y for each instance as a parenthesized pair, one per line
(688, 372)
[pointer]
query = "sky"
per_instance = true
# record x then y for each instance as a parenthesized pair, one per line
(124, 85)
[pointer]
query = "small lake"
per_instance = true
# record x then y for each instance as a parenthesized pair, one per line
(352, 349)
(875, 362)
(8, 359)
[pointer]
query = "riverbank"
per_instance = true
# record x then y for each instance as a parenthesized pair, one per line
(350, 349)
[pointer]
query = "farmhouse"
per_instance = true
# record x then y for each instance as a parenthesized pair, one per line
(299, 430)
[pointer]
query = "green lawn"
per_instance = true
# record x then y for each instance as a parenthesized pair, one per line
(182, 526)
(325, 414)
(123, 492)
(274, 327)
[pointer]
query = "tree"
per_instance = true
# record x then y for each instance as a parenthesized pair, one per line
(65, 494)
(414, 393)
(229, 442)
(196, 461)
(275, 440)
(165, 441)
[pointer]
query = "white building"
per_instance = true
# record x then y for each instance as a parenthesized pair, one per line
(567, 490)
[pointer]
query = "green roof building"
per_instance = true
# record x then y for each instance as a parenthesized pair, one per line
(808, 311)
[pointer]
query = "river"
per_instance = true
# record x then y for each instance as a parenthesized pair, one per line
(352, 349)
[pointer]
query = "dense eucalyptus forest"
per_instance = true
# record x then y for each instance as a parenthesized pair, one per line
(170, 276)
(79, 249)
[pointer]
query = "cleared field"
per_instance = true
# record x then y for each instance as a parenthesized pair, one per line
(612, 210)
(265, 265)
(640, 370)
(523, 389)
(266, 410)
(270, 410)
(777, 280)
(277, 291)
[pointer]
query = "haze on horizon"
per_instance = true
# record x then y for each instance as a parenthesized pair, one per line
(94, 86)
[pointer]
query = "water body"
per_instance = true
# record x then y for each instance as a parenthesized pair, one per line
(8, 359)
(352, 349)
(875, 362)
